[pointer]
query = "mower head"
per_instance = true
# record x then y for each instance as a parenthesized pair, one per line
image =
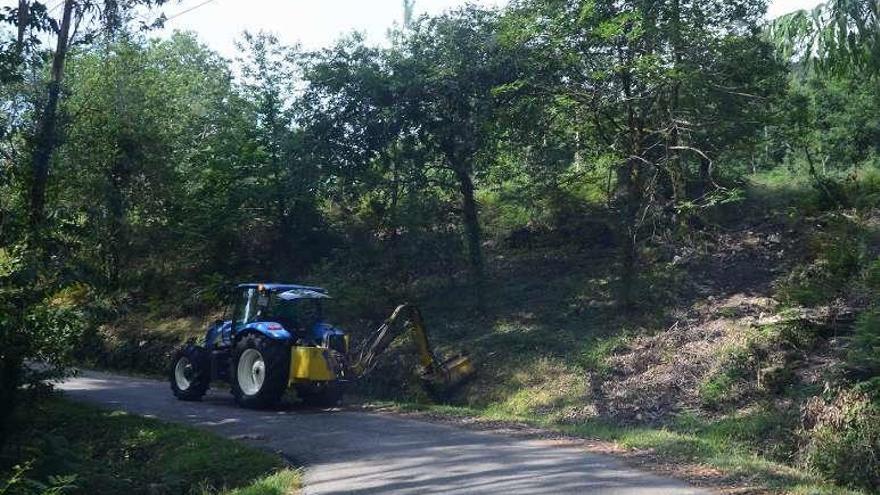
(445, 377)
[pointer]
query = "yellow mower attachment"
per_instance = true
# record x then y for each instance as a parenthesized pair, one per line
(309, 364)
(435, 373)
(450, 373)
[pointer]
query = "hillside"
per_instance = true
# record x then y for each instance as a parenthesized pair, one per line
(652, 223)
(738, 356)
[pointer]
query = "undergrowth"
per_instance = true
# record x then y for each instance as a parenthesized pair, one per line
(546, 334)
(63, 447)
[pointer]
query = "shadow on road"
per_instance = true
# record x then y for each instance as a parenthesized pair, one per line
(359, 452)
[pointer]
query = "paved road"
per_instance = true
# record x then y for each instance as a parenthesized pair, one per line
(357, 452)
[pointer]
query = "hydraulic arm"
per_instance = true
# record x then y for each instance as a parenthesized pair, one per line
(432, 370)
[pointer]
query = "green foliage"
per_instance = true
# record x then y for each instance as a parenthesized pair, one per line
(41, 318)
(839, 254)
(838, 37)
(578, 145)
(18, 483)
(595, 353)
(749, 447)
(81, 449)
(843, 439)
(724, 386)
(864, 351)
(717, 390)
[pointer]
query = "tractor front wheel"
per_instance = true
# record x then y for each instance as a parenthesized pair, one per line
(190, 376)
(260, 369)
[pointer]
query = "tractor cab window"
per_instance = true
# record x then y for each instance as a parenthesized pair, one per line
(296, 315)
(310, 311)
(246, 308)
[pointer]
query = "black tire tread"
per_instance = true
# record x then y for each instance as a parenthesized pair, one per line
(198, 356)
(277, 358)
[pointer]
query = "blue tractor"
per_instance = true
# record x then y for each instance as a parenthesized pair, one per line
(278, 339)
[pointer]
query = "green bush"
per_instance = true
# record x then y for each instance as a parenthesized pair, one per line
(864, 353)
(64, 447)
(872, 275)
(843, 439)
(716, 390)
(839, 255)
(595, 354)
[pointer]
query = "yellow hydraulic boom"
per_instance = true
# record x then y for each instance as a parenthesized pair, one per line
(433, 371)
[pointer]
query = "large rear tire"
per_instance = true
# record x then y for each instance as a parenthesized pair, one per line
(260, 369)
(189, 374)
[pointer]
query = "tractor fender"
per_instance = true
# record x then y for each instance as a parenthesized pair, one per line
(217, 334)
(270, 329)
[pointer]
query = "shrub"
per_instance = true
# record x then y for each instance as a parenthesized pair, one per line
(843, 439)
(864, 352)
(839, 255)
(595, 354)
(872, 275)
(18, 483)
(717, 390)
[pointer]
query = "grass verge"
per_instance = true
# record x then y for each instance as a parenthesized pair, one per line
(718, 454)
(63, 447)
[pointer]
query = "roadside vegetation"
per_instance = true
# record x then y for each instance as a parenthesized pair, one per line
(654, 223)
(757, 360)
(62, 447)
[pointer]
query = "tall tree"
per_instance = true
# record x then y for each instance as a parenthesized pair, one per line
(143, 121)
(408, 13)
(648, 84)
(447, 69)
(45, 141)
(272, 83)
(93, 17)
(32, 326)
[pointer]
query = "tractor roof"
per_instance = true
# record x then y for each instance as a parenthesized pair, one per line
(273, 287)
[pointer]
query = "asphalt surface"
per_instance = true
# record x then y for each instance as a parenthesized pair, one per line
(358, 452)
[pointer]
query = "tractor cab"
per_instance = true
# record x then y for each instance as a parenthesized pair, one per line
(288, 311)
(280, 311)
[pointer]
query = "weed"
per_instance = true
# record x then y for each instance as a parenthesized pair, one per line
(716, 390)
(843, 439)
(595, 353)
(864, 353)
(736, 445)
(839, 254)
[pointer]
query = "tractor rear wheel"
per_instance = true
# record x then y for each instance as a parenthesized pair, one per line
(189, 375)
(260, 369)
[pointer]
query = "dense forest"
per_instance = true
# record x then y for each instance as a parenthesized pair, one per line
(559, 182)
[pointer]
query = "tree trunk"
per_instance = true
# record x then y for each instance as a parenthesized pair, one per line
(629, 198)
(470, 218)
(23, 20)
(10, 377)
(117, 238)
(45, 139)
(673, 156)
(705, 175)
(12, 350)
(630, 194)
